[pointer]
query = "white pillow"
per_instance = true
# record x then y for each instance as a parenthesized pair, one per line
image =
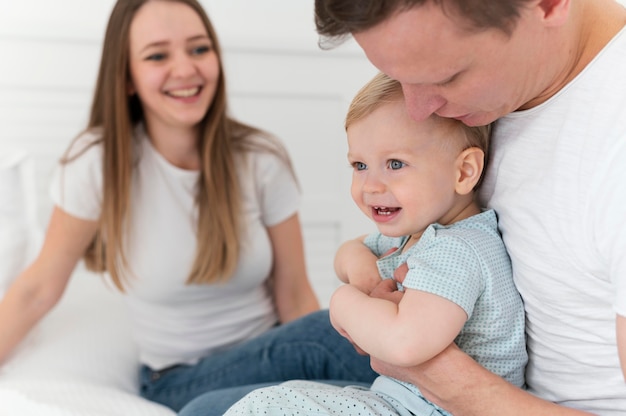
(86, 337)
(21, 236)
(80, 360)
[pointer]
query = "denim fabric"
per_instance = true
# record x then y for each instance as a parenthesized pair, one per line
(308, 349)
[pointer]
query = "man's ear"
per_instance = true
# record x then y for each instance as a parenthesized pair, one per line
(469, 164)
(554, 12)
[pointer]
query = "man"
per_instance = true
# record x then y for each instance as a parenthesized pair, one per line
(553, 73)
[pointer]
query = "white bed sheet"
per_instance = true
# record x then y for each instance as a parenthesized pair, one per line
(80, 360)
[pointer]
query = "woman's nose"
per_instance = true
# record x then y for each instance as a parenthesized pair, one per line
(183, 66)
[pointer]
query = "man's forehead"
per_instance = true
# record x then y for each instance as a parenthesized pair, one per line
(420, 45)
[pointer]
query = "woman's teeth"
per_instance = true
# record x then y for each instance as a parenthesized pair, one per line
(189, 92)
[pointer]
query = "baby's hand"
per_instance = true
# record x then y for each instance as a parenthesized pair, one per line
(387, 289)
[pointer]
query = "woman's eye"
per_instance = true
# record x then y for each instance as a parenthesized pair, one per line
(359, 166)
(201, 50)
(396, 164)
(156, 57)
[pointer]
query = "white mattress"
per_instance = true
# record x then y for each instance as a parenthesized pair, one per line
(80, 360)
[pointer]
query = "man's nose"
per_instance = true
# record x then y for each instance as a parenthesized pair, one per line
(422, 100)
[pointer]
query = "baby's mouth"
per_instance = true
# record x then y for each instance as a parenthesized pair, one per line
(385, 210)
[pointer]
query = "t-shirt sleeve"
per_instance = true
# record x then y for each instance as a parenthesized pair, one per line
(76, 186)
(380, 244)
(277, 189)
(450, 268)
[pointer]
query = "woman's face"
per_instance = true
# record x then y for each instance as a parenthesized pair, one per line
(174, 69)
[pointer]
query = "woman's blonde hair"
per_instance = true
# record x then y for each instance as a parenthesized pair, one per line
(115, 113)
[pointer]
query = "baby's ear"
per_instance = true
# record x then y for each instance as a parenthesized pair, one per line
(470, 164)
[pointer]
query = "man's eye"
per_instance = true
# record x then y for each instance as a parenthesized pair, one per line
(448, 81)
(396, 164)
(359, 166)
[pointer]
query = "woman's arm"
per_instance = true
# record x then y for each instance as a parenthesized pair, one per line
(40, 286)
(293, 294)
(620, 327)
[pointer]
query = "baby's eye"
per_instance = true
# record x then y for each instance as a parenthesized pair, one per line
(359, 166)
(395, 164)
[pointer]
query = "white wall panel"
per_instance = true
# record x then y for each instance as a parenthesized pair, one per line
(277, 76)
(278, 79)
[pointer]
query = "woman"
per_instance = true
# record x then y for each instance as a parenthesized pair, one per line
(192, 214)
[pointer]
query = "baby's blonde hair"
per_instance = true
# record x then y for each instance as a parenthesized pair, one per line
(383, 90)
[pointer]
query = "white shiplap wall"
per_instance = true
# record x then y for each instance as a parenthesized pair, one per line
(278, 80)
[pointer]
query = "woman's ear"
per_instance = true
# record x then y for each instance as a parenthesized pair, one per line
(469, 164)
(130, 88)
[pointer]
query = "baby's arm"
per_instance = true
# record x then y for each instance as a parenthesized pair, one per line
(356, 264)
(404, 334)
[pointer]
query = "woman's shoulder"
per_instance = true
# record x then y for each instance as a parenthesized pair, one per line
(262, 151)
(87, 142)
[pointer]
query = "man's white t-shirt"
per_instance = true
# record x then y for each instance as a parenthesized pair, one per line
(174, 322)
(557, 180)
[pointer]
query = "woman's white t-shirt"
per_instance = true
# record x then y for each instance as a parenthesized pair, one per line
(174, 322)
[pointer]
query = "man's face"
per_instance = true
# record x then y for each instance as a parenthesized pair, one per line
(447, 69)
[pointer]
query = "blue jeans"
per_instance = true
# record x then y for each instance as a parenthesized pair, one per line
(308, 348)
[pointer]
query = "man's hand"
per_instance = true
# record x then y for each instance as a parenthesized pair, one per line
(434, 373)
(448, 361)
(400, 273)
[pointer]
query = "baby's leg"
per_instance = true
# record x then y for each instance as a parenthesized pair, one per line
(312, 398)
